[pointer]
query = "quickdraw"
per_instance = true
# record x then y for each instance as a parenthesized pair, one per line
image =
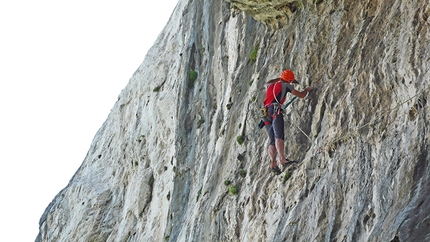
(263, 112)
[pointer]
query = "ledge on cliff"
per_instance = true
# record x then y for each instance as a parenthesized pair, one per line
(275, 13)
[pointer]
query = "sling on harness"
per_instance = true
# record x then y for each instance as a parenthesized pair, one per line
(288, 103)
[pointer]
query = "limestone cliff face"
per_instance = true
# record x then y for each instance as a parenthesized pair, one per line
(157, 168)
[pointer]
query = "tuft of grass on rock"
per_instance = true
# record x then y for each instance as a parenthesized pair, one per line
(192, 75)
(200, 122)
(254, 52)
(286, 177)
(198, 194)
(233, 190)
(242, 173)
(240, 139)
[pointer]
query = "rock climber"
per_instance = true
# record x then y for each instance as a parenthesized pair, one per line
(276, 92)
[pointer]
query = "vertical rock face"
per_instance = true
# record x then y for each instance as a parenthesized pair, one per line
(158, 167)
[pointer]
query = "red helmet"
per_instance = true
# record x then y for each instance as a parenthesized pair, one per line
(287, 76)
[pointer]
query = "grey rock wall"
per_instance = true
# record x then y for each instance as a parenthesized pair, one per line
(157, 168)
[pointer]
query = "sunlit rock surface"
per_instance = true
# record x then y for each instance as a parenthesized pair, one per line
(158, 167)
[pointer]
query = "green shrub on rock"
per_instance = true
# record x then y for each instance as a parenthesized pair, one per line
(233, 190)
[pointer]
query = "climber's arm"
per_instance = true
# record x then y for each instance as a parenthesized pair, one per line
(301, 94)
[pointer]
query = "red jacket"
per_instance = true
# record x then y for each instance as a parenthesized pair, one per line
(276, 92)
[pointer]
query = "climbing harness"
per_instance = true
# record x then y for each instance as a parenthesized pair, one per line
(263, 110)
(277, 107)
(264, 113)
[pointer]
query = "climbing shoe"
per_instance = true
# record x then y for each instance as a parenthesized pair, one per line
(276, 170)
(288, 162)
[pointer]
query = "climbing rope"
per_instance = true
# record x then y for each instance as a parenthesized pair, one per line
(303, 132)
(285, 106)
(349, 134)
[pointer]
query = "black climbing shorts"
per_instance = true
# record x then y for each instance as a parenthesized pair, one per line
(275, 129)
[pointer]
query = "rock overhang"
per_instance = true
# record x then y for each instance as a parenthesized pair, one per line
(274, 13)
